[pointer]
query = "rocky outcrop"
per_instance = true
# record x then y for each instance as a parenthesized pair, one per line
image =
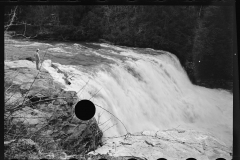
(175, 144)
(47, 116)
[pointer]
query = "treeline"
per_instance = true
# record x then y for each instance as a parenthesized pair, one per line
(201, 36)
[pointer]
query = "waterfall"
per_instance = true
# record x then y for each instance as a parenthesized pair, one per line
(146, 90)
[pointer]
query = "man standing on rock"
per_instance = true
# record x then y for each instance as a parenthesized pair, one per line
(37, 58)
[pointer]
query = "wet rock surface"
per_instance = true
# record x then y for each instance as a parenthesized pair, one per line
(47, 116)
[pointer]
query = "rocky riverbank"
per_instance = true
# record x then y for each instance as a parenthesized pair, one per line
(46, 119)
(171, 144)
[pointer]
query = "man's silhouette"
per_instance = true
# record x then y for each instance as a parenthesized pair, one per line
(37, 59)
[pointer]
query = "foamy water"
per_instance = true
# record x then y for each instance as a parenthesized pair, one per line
(145, 92)
(149, 92)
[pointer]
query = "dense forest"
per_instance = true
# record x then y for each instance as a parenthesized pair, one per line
(200, 36)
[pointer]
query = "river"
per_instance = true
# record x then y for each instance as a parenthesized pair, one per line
(145, 89)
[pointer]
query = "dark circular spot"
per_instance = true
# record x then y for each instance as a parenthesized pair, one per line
(220, 159)
(85, 110)
(191, 159)
(161, 159)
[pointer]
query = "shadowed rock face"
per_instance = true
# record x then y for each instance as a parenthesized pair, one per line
(32, 59)
(48, 112)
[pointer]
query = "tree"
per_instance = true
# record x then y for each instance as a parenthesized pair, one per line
(213, 43)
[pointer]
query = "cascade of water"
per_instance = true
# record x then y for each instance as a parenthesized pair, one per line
(148, 92)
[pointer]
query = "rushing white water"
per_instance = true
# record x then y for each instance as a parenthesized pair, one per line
(146, 92)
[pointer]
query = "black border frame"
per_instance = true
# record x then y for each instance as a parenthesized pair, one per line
(236, 107)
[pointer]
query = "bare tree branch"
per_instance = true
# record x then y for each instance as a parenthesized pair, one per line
(12, 19)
